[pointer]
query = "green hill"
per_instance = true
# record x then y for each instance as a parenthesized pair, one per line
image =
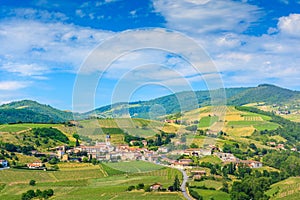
(269, 94)
(32, 111)
(188, 100)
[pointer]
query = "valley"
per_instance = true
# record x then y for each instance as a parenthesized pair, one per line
(121, 158)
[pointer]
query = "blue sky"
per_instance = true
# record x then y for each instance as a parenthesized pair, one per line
(45, 43)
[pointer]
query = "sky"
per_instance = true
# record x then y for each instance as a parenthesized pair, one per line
(46, 46)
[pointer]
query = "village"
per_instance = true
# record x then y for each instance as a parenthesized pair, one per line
(106, 152)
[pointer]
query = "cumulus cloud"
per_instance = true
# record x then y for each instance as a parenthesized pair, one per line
(290, 25)
(242, 59)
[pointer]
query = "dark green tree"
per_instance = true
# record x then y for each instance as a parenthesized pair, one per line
(176, 184)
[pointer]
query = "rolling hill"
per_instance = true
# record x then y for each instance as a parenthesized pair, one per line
(185, 101)
(32, 111)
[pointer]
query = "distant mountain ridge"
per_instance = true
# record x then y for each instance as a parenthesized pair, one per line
(32, 111)
(270, 94)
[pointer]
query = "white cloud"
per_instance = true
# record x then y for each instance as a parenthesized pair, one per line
(207, 16)
(13, 85)
(80, 13)
(34, 48)
(290, 25)
(242, 59)
(25, 69)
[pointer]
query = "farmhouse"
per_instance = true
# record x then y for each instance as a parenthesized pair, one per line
(156, 187)
(3, 163)
(182, 163)
(197, 174)
(226, 157)
(35, 165)
(250, 163)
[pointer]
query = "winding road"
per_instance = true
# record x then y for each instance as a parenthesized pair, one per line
(184, 181)
(182, 187)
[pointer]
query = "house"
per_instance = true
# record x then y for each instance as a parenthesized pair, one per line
(182, 163)
(226, 157)
(35, 165)
(65, 157)
(250, 163)
(255, 164)
(280, 146)
(162, 149)
(294, 149)
(197, 174)
(271, 144)
(145, 143)
(169, 121)
(3, 163)
(156, 187)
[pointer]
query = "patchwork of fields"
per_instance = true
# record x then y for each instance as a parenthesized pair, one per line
(86, 181)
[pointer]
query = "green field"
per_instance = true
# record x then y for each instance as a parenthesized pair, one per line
(215, 194)
(259, 125)
(134, 166)
(207, 121)
(211, 159)
(22, 127)
(85, 181)
(209, 184)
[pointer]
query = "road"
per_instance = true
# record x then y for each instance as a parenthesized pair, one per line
(183, 188)
(184, 181)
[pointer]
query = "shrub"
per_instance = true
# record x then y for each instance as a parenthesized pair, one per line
(130, 188)
(32, 182)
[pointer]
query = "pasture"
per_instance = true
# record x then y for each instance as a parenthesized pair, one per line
(207, 121)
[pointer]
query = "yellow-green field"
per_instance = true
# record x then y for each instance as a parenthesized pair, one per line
(288, 189)
(86, 181)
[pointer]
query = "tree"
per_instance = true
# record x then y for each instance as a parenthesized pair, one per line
(32, 182)
(140, 186)
(176, 184)
(192, 128)
(131, 187)
(77, 137)
(94, 161)
(193, 145)
(225, 187)
(28, 195)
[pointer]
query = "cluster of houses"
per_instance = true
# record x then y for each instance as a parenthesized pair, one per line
(104, 151)
(230, 158)
(280, 146)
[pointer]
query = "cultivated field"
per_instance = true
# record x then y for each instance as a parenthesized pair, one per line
(86, 181)
(288, 189)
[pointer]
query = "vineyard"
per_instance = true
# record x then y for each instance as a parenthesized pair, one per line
(86, 181)
(288, 189)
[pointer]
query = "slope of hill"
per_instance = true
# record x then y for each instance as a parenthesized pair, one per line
(188, 100)
(32, 111)
(269, 94)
